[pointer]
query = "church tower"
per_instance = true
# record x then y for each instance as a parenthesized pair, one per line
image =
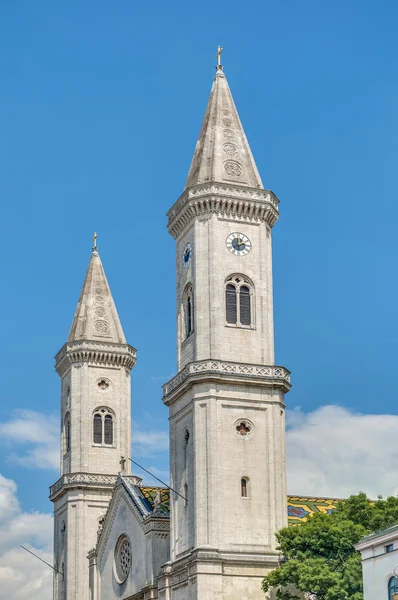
(227, 412)
(94, 366)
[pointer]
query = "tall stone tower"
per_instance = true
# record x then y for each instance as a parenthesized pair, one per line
(227, 412)
(94, 366)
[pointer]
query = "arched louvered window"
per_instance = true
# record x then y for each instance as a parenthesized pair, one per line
(392, 587)
(239, 301)
(188, 310)
(103, 427)
(108, 430)
(244, 305)
(230, 303)
(67, 432)
(97, 429)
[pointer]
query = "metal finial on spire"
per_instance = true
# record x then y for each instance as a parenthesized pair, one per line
(218, 57)
(95, 247)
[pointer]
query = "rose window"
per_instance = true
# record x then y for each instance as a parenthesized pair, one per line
(122, 558)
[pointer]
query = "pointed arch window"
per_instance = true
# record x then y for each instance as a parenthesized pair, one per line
(188, 310)
(103, 423)
(239, 301)
(67, 432)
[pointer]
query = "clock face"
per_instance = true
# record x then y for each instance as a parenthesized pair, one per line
(238, 243)
(187, 255)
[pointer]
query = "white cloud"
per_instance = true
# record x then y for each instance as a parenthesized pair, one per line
(335, 452)
(22, 576)
(149, 443)
(38, 436)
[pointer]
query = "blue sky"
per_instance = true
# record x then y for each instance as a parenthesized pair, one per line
(100, 109)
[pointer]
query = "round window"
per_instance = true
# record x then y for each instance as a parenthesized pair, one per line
(122, 558)
(244, 428)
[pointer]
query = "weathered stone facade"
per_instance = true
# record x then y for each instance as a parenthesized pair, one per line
(227, 412)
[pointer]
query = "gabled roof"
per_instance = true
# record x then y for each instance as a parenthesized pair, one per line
(143, 501)
(298, 507)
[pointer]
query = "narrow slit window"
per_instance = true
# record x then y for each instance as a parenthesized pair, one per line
(67, 432)
(230, 303)
(188, 311)
(243, 487)
(189, 316)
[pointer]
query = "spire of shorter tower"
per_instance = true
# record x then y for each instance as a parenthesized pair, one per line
(222, 151)
(96, 316)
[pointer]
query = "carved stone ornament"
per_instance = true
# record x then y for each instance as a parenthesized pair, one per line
(80, 479)
(122, 558)
(227, 122)
(233, 168)
(230, 149)
(99, 300)
(79, 352)
(260, 373)
(228, 134)
(102, 326)
(100, 311)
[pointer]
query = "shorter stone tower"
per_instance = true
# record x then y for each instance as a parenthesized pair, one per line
(94, 366)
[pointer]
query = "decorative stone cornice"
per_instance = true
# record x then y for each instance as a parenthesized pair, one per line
(211, 561)
(221, 370)
(94, 353)
(81, 480)
(229, 200)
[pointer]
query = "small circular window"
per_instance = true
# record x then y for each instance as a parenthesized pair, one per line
(244, 428)
(122, 558)
(103, 384)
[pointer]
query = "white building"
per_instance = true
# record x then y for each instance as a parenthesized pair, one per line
(379, 553)
(214, 538)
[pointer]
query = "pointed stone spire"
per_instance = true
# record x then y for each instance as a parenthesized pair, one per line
(96, 317)
(222, 151)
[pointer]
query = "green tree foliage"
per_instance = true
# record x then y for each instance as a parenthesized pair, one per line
(319, 554)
